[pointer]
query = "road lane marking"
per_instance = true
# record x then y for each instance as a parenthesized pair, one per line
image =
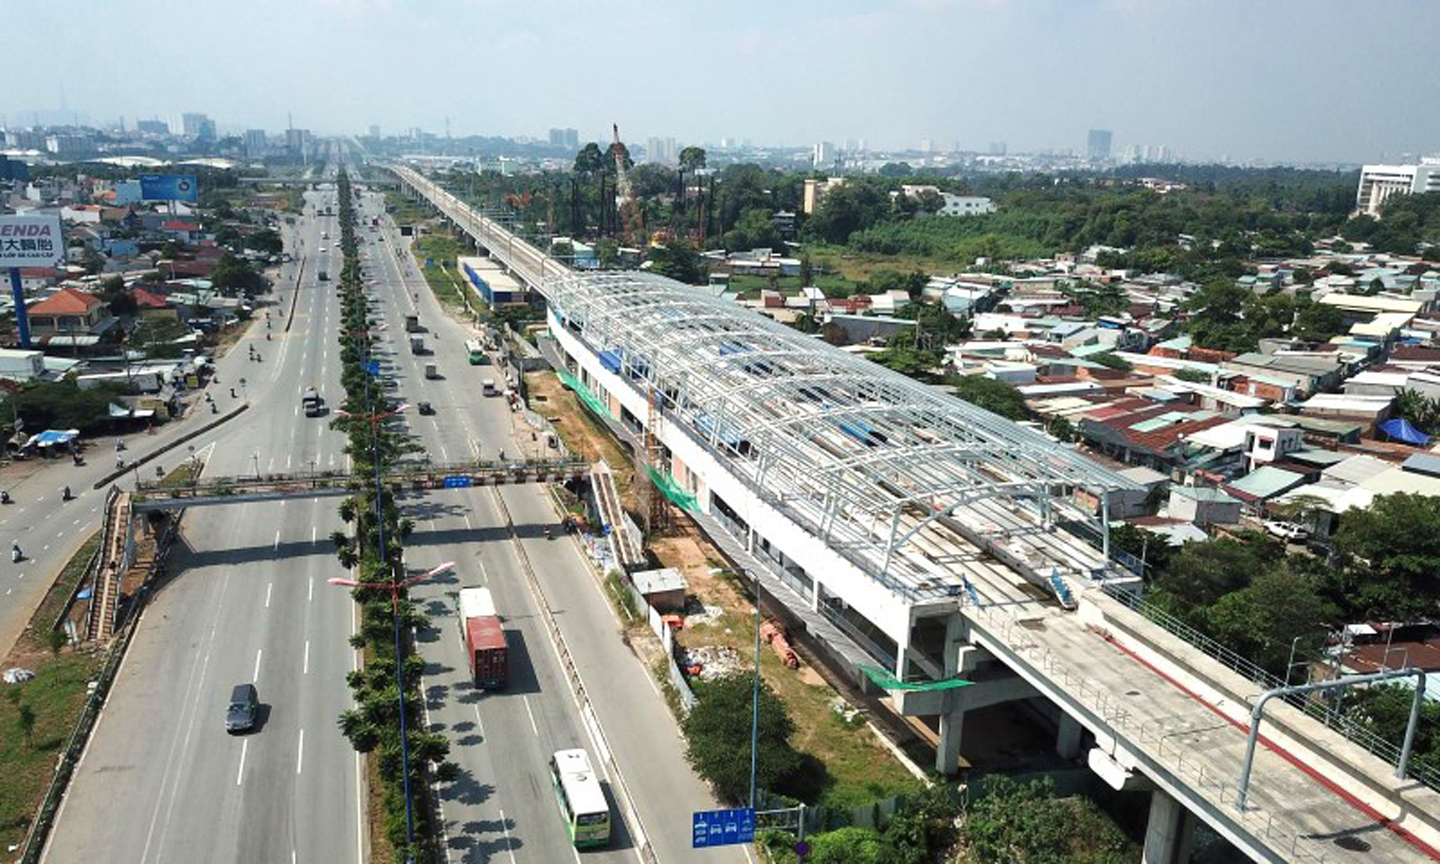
(256, 677)
(277, 539)
(300, 756)
(509, 846)
(240, 775)
(268, 588)
(533, 727)
(306, 668)
(310, 596)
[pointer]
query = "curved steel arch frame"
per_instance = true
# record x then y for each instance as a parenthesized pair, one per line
(845, 446)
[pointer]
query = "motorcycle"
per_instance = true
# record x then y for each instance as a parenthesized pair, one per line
(65, 494)
(16, 556)
(549, 535)
(4, 497)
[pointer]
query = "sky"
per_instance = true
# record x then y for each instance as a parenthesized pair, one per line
(1296, 81)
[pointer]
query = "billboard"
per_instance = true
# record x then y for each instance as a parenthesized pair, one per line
(169, 187)
(31, 241)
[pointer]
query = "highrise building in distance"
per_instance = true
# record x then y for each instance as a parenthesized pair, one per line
(255, 143)
(1097, 145)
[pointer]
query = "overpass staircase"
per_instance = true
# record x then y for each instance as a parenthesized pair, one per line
(114, 547)
(628, 547)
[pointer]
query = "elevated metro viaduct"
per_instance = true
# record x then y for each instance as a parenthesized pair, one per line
(914, 532)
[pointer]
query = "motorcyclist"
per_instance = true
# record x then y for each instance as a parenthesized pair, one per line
(15, 553)
(65, 494)
(4, 497)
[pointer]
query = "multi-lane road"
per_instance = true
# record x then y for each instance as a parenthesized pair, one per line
(248, 601)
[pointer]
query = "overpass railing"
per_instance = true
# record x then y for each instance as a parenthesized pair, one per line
(1152, 737)
(1351, 729)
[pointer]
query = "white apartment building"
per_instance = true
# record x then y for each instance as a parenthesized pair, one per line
(965, 205)
(1379, 182)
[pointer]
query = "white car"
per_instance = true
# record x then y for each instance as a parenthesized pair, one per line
(1286, 531)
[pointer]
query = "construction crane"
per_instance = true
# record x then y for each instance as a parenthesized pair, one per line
(624, 194)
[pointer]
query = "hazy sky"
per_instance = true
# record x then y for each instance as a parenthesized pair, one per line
(1296, 80)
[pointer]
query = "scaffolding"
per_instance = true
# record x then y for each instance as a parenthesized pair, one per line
(894, 475)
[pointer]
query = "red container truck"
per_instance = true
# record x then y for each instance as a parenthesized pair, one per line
(485, 647)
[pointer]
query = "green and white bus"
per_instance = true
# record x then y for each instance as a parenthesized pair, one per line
(582, 801)
(476, 352)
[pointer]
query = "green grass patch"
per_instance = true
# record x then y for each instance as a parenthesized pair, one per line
(58, 595)
(437, 254)
(55, 696)
(182, 475)
(405, 211)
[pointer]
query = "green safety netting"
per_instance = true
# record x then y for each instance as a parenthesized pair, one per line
(886, 681)
(679, 497)
(590, 399)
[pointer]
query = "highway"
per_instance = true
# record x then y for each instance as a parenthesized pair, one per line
(536, 714)
(247, 600)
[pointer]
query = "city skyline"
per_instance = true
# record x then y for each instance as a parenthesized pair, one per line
(1029, 76)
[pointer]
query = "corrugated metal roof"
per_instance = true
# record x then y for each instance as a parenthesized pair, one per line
(1266, 481)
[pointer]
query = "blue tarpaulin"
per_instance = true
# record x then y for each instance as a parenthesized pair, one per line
(51, 437)
(1400, 429)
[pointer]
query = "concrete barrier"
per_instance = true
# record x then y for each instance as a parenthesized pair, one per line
(166, 448)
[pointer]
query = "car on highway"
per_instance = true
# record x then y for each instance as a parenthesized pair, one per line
(244, 708)
(425, 408)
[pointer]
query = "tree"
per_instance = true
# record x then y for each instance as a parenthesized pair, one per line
(692, 159)
(678, 260)
(1027, 822)
(63, 405)
(1194, 376)
(25, 719)
(807, 271)
(850, 845)
(895, 169)
(1392, 548)
(116, 298)
(234, 275)
(1201, 573)
(1385, 710)
(265, 240)
(1110, 361)
(94, 262)
(1260, 620)
(589, 164)
(717, 734)
(994, 396)
(155, 336)
(1318, 322)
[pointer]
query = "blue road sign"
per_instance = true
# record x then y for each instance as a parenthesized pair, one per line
(457, 481)
(372, 367)
(169, 187)
(723, 827)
